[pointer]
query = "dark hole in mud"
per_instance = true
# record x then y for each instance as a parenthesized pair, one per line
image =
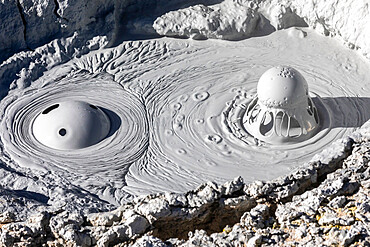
(94, 107)
(62, 132)
(211, 218)
(267, 124)
(49, 109)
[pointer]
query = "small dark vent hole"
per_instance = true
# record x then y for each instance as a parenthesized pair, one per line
(49, 109)
(94, 107)
(62, 132)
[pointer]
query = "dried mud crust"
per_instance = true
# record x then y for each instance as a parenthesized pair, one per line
(324, 204)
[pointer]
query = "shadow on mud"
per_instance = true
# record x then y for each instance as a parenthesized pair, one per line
(346, 112)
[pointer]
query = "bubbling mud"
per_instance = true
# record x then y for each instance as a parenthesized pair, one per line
(176, 106)
(70, 125)
(197, 125)
(204, 136)
(282, 111)
(97, 166)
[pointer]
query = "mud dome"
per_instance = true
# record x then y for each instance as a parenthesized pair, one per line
(97, 168)
(175, 107)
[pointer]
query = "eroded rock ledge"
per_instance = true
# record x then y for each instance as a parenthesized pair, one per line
(240, 19)
(325, 203)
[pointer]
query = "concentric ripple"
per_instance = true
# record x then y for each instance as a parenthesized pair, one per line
(207, 135)
(197, 120)
(177, 106)
(102, 164)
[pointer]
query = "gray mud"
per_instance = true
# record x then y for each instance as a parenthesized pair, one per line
(62, 47)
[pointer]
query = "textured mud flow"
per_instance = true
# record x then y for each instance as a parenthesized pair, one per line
(122, 146)
(193, 105)
(177, 108)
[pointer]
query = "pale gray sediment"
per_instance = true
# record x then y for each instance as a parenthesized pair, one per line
(176, 105)
(167, 85)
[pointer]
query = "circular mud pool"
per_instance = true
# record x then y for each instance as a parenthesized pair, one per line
(175, 109)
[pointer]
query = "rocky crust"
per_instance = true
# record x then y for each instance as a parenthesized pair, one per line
(238, 19)
(27, 24)
(229, 20)
(321, 204)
